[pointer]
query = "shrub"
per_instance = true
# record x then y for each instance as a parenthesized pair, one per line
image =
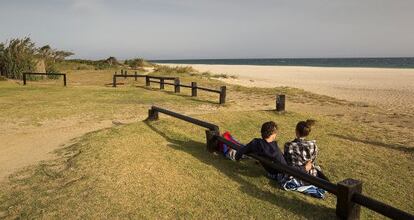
(208, 74)
(52, 68)
(112, 61)
(108, 63)
(137, 63)
(221, 75)
(172, 70)
(51, 57)
(21, 55)
(16, 57)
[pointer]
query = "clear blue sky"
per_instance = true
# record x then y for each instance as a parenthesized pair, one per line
(156, 29)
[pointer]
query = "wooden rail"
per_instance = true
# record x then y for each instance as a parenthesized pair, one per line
(174, 81)
(153, 115)
(348, 192)
(193, 86)
(45, 74)
(136, 76)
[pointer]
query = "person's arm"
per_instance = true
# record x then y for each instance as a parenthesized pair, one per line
(308, 166)
(287, 152)
(245, 149)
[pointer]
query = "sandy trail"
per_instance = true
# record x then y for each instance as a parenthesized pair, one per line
(23, 146)
(390, 88)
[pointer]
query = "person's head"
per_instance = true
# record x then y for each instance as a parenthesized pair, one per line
(269, 130)
(303, 128)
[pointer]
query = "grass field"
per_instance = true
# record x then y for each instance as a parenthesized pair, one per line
(161, 169)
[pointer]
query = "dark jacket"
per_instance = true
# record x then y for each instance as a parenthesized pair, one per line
(268, 150)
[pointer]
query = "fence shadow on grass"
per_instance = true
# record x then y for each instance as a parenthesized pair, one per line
(236, 172)
(398, 147)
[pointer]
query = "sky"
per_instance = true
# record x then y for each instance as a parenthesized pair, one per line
(214, 29)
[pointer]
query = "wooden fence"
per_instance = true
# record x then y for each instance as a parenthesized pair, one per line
(173, 81)
(45, 74)
(348, 191)
(136, 76)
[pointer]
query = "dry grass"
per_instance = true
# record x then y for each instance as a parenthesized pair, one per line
(161, 169)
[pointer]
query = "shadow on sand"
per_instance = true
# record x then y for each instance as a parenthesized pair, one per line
(235, 172)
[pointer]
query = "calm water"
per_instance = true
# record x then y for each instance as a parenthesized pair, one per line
(405, 62)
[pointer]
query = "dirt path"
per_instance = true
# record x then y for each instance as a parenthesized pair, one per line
(23, 145)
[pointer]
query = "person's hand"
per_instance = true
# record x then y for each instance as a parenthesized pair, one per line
(308, 166)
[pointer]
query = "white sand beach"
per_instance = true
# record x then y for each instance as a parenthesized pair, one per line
(386, 87)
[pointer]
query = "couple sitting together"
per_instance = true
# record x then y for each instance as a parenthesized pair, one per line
(299, 153)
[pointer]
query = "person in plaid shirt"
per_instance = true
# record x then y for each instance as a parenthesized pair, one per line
(300, 151)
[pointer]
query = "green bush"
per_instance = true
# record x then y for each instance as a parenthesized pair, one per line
(16, 57)
(21, 55)
(172, 70)
(137, 63)
(52, 68)
(108, 63)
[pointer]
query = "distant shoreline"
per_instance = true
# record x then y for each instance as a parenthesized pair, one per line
(392, 62)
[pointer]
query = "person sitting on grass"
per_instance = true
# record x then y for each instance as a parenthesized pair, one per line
(267, 147)
(227, 151)
(300, 152)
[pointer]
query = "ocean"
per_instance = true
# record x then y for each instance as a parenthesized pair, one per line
(402, 62)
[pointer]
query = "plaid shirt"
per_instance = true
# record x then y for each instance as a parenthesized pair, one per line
(299, 151)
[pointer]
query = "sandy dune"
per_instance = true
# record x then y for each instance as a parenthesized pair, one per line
(389, 88)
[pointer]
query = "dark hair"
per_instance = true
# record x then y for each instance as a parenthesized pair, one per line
(303, 128)
(268, 128)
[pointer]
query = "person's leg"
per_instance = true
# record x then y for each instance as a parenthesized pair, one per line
(296, 185)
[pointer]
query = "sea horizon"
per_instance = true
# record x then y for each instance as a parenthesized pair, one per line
(375, 62)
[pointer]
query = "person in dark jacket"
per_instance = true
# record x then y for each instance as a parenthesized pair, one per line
(267, 147)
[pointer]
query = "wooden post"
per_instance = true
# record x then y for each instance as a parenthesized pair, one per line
(135, 75)
(161, 83)
(24, 78)
(147, 81)
(152, 115)
(177, 85)
(222, 95)
(114, 81)
(194, 89)
(211, 140)
(345, 208)
(64, 79)
(280, 103)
